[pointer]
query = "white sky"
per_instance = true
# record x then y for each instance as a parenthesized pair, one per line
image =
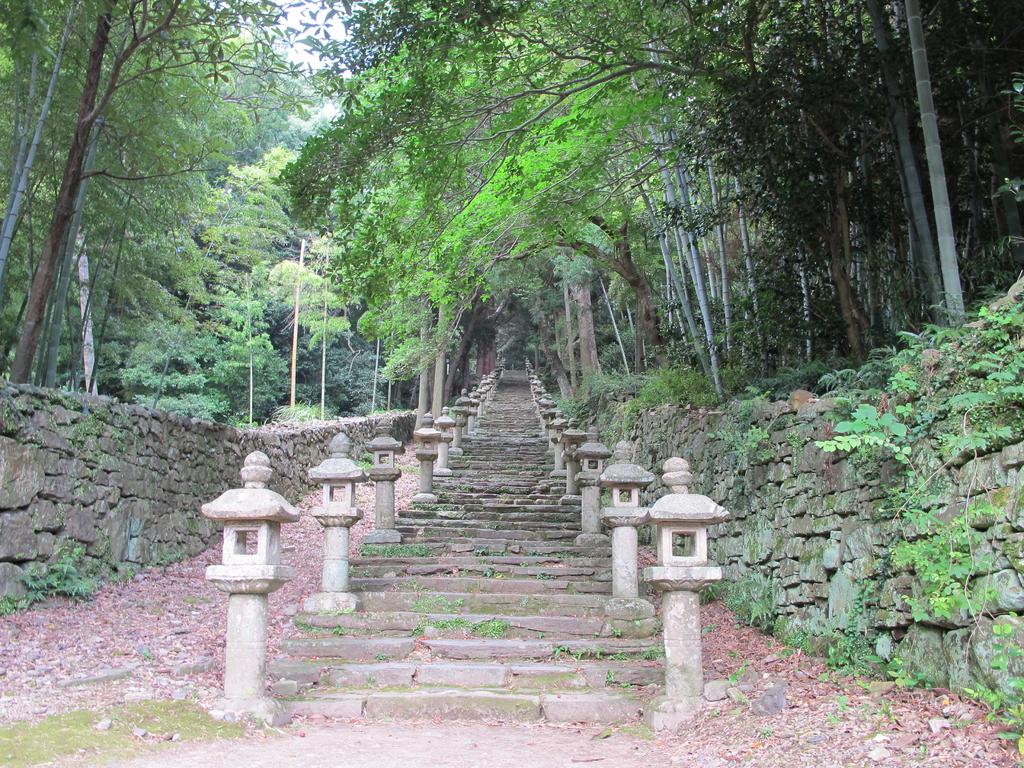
(299, 13)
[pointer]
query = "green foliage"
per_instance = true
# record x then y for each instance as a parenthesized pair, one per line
(65, 576)
(866, 430)
(395, 550)
(296, 413)
(753, 599)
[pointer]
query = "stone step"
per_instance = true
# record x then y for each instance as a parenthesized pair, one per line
(522, 561)
(437, 531)
(411, 624)
(599, 707)
(501, 524)
(483, 569)
(460, 674)
(504, 546)
(490, 649)
(511, 586)
(555, 604)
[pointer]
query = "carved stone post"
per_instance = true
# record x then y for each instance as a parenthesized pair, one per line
(571, 440)
(339, 476)
(682, 520)
(384, 473)
(461, 413)
(555, 429)
(591, 456)
(626, 610)
(250, 570)
(444, 424)
(426, 451)
(474, 407)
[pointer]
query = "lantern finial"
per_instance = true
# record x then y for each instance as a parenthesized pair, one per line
(341, 446)
(256, 471)
(677, 476)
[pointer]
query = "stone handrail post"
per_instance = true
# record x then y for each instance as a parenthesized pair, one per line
(474, 408)
(384, 473)
(683, 569)
(339, 475)
(427, 439)
(571, 440)
(444, 424)
(555, 428)
(250, 570)
(626, 610)
(591, 456)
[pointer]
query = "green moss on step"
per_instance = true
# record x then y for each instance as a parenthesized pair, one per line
(74, 734)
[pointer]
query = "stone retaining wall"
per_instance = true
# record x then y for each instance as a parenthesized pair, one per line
(127, 481)
(810, 528)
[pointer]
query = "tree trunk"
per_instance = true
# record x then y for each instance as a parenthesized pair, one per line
(26, 156)
(423, 394)
(954, 298)
(589, 363)
(555, 363)
(723, 260)
(839, 262)
(88, 347)
(437, 390)
(71, 247)
(615, 325)
(906, 156)
(461, 359)
(570, 337)
(64, 207)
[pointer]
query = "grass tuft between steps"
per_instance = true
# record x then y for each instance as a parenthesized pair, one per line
(493, 628)
(395, 550)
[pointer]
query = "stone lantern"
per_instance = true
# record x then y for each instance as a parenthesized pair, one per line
(555, 429)
(624, 480)
(682, 520)
(571, 439)
(591, 456)
(547, 411)
(427, 439)
(444, 424)
(461, 413)
(339, 475)
(250, 570)
(474, 409)
(384, 473)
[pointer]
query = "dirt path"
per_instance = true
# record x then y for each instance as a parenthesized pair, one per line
(431, 745)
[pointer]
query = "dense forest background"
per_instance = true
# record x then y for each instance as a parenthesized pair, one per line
(671, 202)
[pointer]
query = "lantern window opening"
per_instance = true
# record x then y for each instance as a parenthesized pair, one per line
(383, 459)
(684, 544)
(626, 497)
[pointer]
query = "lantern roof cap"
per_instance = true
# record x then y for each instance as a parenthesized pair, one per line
(592, 449)
(339, 465)
(254, 501)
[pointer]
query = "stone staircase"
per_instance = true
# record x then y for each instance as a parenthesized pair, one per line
(488, 610)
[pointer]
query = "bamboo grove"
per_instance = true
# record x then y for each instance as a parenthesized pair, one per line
(714, 195)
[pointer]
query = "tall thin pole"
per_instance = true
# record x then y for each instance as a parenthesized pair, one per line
(323, 356)
(376, 368)
(295, 322)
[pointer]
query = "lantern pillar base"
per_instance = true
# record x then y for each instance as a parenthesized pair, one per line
(592, 540)
(442, 472)
(261, 708)
(571, 498)
(383, 536)
(331, 602)
(665, 714)
(424, 498)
